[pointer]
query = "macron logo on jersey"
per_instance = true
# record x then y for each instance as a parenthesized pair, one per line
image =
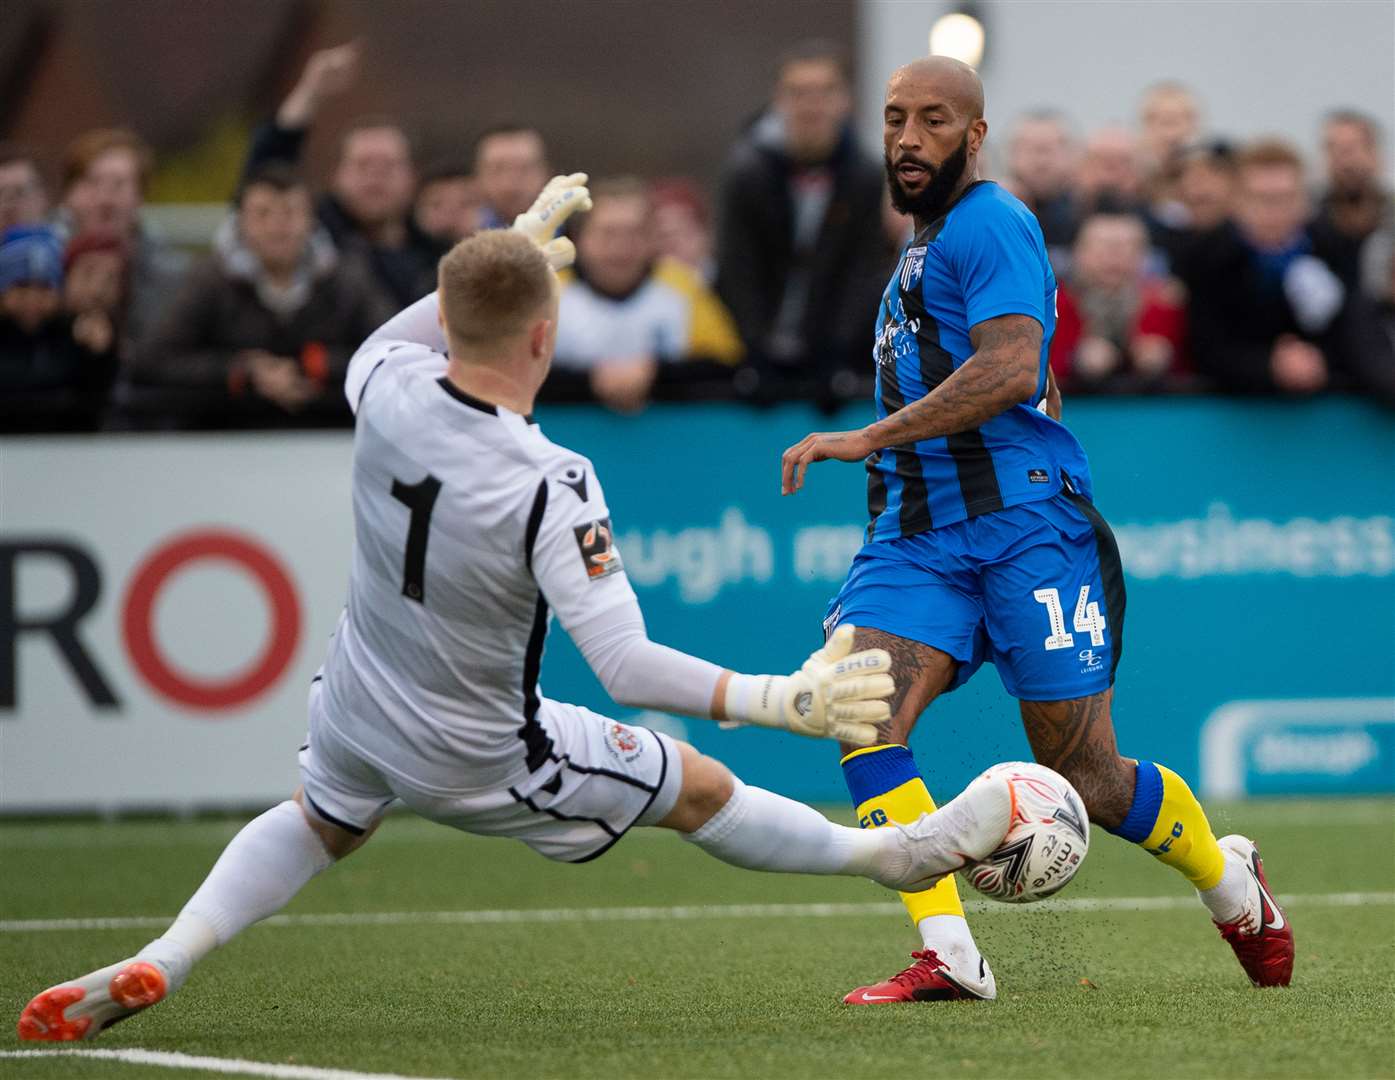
(597, 544)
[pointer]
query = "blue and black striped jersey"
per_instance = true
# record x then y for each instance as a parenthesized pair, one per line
(984, 258)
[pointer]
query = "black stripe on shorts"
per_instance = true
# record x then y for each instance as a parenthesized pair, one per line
(1111, 572)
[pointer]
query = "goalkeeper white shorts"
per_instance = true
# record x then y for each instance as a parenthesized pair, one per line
(611, 777)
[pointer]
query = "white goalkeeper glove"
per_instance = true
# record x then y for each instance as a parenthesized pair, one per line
(560, 199)
(837, 694)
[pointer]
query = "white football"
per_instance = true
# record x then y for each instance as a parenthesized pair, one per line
(1045, 843)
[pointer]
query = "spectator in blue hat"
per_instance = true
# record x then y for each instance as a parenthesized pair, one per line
(49, 380)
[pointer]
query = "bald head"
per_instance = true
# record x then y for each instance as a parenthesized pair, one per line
(952, 81)
(932, 132)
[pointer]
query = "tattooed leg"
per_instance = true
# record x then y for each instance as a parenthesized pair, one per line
(1076, 738)
(1141, 801)
(922, 673)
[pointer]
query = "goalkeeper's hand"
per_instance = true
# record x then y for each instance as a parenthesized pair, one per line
(837, 694)
(560, 199)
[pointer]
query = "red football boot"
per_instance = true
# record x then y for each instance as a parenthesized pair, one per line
(1262, 937)
(928, 979)
(84, 1008)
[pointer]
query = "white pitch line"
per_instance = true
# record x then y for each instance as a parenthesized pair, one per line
(689, 911)
(229, 1066)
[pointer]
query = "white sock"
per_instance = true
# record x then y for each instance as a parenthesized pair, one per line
(266, 864)
(949, 938)
(1226, 899)
(760, 830)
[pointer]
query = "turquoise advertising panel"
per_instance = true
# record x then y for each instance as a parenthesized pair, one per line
(1258, 541)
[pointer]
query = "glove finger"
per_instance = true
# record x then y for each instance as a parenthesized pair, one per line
(838, 645)
(860, 711)
(863, 686)
(557, 184)
(858, 663)
(856, 734)
(560, 253)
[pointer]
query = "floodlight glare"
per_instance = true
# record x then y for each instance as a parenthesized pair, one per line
(959, 35)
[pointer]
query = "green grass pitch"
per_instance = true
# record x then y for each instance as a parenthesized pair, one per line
(1099, 993)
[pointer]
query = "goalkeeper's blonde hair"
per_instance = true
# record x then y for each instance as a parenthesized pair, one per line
(493, 285)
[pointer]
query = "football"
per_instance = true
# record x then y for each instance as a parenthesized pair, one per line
(1045, 843)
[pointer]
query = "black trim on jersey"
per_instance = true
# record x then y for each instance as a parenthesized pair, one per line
(978, 480)
(536, 741)
(876, 492)
(537, 744)
(663, 775)
(1111, 571)
(535, 516)
(353, 829)
(364, 388)
(466, 399)
(915, 503)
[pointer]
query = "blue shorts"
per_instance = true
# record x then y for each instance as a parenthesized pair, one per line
(1037, 589)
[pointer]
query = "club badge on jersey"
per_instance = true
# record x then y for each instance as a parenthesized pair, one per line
(912, 265)
(597, 543)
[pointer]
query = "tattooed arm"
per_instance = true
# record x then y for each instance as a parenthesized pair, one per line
(1001, 373)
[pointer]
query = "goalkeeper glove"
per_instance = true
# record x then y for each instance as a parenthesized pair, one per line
(562, 197)
(837, 694)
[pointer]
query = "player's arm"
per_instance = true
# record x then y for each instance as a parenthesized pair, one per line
(1002, 372)
(1051, 404)
(836, 694)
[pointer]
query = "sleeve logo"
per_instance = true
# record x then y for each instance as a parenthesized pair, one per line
(597, 545)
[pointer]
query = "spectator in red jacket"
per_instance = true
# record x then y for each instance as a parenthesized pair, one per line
(1115, 324)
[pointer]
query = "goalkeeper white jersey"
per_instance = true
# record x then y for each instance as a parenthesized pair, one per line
(470, 529)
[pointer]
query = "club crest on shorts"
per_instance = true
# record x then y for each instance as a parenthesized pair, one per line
(912, 266)
(623, 743)
(597, 544)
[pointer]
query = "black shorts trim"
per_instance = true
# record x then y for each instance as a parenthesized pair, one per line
(352, 829)
(663, 775)
(1111, 572)
(566, 761)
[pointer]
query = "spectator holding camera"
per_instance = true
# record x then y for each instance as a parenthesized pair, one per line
(53, 376)
(801, 260)
(628, 316)
(1117, 327)
(368, 208)
(105, 174)
(264, 329)
(1266, 306)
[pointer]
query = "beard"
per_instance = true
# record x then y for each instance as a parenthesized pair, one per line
(934, 199)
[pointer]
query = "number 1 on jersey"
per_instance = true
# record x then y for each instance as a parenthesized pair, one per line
(419, 498)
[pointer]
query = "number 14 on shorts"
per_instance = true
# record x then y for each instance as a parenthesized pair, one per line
(1087, 620)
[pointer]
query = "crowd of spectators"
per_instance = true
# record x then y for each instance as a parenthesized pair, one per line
(1186, 261)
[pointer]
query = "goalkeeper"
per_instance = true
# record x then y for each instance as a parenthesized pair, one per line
(470, 529)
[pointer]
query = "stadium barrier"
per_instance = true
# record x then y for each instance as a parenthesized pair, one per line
(164, 600)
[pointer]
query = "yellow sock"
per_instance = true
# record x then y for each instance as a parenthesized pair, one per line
(887, 788)
(1170, 824)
